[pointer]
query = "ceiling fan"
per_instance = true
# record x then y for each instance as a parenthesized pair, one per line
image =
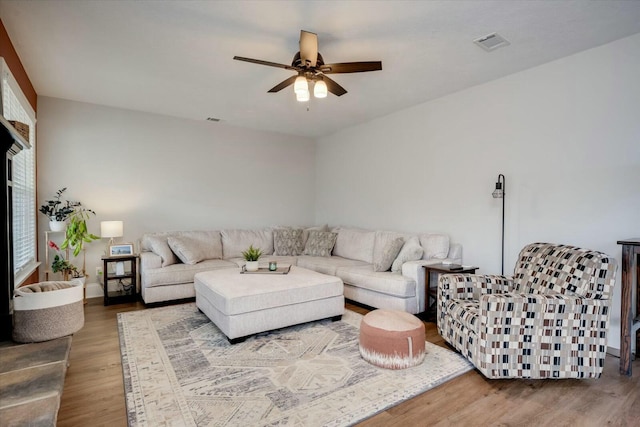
(310, 67)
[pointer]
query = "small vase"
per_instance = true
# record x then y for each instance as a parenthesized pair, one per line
(57, 225)
(251, 265)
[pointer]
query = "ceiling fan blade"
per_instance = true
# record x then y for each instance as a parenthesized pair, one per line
(334, 87)
(351, 67)
(308, 48)
(277, 88)
(261, 62)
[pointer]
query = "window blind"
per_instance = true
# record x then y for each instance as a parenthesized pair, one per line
(16, 107)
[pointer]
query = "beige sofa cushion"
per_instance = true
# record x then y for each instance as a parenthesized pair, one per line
(326, 265)
(187, 250)
(434, 245)
(355, 244)
(234, 242)
(385, 282)
(383, 260)
(160, 246)
(411, 251)
(181, 273)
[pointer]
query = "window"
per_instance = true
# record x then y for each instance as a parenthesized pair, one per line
(16, 107)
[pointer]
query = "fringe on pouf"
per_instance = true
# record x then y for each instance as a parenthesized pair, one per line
(394, 361)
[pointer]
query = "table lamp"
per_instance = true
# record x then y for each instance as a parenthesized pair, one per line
(113, 229)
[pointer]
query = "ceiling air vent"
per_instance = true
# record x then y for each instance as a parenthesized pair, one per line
(491, 42)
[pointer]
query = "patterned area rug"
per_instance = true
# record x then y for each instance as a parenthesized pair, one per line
(179, 369)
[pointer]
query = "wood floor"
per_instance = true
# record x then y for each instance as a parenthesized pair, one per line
(94, 395)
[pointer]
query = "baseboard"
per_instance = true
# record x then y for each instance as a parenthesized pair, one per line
(615, 352)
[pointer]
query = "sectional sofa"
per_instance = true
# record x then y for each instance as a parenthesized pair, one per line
(381, 269)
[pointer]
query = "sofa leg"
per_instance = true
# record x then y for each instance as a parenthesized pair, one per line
(336, 318)
(233, 341)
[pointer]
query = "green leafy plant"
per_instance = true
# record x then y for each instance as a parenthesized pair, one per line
(56, 209)
(252, 254)
(77, 233)
(62, 265)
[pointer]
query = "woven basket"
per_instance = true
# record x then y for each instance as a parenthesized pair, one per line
(23, 129)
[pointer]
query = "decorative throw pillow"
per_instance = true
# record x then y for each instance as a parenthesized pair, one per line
(320, 243)
(287, 241)
(411, 251)
(189, 251)
(389, 253)
(306, 231)
(160, 247)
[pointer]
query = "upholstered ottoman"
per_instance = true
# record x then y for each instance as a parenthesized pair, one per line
(245, 304)
(392, 339)
(47, 310)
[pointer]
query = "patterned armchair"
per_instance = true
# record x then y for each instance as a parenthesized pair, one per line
(548, 320)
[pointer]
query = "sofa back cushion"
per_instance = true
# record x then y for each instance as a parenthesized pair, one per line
(435, 245)
(158, 244)
(234, 242)
(545, 268)
(355, 244)
(384, 241)
(200, 244)
(193, 247)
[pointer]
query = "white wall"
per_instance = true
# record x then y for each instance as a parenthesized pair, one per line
(161, 173)
(566, 135)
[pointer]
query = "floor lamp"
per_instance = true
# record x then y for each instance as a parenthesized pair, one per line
(499, 193)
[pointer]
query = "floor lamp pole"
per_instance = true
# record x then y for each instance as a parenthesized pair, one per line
(499, 193)
(503, 198)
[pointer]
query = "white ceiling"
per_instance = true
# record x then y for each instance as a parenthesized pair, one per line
(175, 57)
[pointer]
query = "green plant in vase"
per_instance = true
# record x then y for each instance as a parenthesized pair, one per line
(251, 257)
(77, 233)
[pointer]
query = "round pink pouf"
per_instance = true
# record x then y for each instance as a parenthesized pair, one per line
(392, 339)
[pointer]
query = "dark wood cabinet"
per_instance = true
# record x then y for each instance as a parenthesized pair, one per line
(120, 281)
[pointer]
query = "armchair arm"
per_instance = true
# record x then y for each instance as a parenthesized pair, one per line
(472, 286)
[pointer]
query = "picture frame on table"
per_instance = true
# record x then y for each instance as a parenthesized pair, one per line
(121, 249)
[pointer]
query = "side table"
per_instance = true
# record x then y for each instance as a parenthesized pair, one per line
(120, 286)
(629, 322)
(431, 286)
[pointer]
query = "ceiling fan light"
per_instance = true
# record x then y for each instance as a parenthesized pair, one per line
(302, 96)
(320, 89)
(301, 85)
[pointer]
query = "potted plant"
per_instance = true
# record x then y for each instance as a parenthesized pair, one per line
(77, 233)
(57, 211)
(64, 266)
(251, 257)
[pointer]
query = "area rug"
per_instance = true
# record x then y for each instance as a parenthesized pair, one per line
(179, 369)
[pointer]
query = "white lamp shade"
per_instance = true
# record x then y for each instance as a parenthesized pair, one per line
(302, 96)
(320, 89)
(301, 85)
(111, 229)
